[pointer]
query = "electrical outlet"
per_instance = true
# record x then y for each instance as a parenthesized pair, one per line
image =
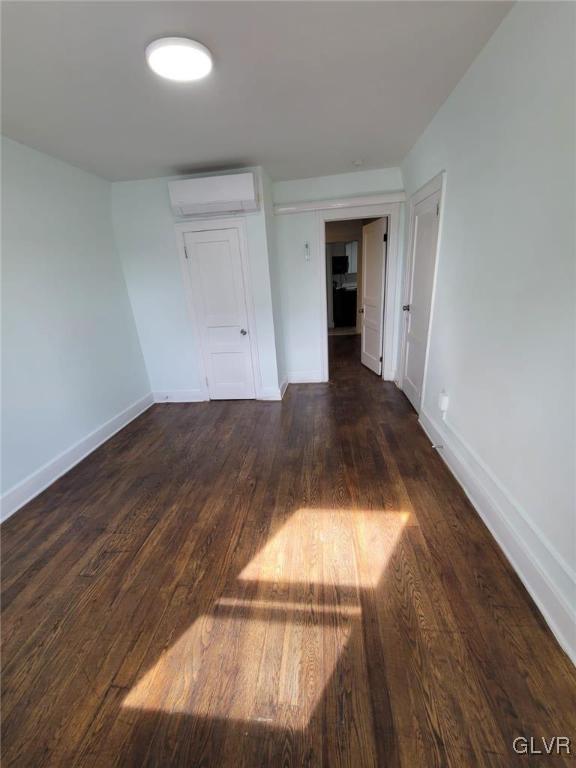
(443, 402)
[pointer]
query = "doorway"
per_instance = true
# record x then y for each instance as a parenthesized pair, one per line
(366, 211)
(355, 252)
(341, 276)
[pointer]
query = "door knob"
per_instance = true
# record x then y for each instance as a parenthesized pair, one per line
(243, 331)
(406, 308)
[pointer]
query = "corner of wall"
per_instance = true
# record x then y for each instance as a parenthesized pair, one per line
(268, 205)
(125, 283)
(19, 495)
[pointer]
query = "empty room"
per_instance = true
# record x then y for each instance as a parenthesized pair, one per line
(288, 384)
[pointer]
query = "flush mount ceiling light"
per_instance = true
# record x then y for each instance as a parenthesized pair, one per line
(178, 58)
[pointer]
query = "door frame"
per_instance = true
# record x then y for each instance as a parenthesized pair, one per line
(435, 184)
(202, 225)
(390, 277)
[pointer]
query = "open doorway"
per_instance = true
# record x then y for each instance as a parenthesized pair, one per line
(355, 290)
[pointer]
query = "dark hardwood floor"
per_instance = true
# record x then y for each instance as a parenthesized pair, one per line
(271, 584)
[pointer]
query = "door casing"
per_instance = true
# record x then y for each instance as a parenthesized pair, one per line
(391, 277)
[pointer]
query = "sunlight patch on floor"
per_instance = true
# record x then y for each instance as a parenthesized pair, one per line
(267, 653)
(327, 546)
(244, 669)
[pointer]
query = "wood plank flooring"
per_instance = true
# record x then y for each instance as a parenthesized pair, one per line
(271, 584)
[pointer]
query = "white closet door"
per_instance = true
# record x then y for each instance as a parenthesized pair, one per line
(215, 265)
(419, 302)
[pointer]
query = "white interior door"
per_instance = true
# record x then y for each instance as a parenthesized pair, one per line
(373, 273)
(215, 266)
(419, 295)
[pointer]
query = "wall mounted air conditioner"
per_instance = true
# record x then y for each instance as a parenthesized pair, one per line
(233, 193)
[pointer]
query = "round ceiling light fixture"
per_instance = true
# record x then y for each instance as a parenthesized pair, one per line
(178, 58)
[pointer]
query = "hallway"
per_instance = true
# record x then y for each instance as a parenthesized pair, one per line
(267, 584)
(344, 358)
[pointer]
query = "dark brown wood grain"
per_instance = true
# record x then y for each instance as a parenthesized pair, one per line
(271, 584)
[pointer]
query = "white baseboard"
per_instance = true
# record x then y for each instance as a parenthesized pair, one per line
(283, 388)
(548, 578)
(305, 377)
(269, 393)
(200, 395)
(180, 396)
(389, 374)
(38, 481)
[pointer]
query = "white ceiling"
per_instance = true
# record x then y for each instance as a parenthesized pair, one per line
(303, 88)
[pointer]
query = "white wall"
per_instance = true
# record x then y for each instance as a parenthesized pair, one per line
(503, 341)
(71, 360)
(297, 281)
(146, 240)
(302, 318)
(353, 184)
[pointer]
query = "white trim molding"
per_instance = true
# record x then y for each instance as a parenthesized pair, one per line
(201, 396)
(20, 494)
(550, 581)
(181, 396)
(332, 205)
(270, 393)
(305, 377)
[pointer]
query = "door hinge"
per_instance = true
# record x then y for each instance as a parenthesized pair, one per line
(380, 358)
(385, 238)
(437, 209)
(185, 252)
